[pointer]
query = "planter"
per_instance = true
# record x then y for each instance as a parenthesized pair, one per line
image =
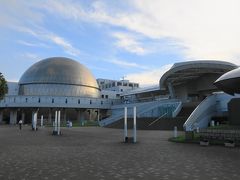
(204, 143)
(229, 144)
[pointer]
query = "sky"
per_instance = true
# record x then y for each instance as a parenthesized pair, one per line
(137, 40)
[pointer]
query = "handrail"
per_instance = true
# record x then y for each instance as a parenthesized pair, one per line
(141, 109)
(156, 105)
(203, 107)
(156, 119)
(177, 110)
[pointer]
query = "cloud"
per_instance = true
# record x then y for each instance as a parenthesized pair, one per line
(201, 29)
(129, 43)
(147, 78)
(127, 64)
(31, 56)
(25, 43)
(14, 12)
(50, 37)
(205, 29)
(63, 43)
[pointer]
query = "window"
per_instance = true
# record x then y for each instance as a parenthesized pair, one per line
(102, 96)
(79, 101)
(66, 101)
(39, 100)
(52, 100)
(26, 99)
(106, 96)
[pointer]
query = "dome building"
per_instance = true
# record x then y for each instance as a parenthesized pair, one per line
(186, 93)
(52, 84)
(58, 76)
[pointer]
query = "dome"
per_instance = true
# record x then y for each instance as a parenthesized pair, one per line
(229, 82)
(58, 76)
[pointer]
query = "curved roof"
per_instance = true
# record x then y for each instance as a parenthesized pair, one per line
(58, 70)
(179, 73)
(229, 82)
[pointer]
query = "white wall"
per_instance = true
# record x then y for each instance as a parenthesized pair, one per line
(12, 88)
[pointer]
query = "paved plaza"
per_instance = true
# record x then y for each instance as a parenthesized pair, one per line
(99, 153)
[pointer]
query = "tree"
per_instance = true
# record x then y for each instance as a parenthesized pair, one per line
(3, 86)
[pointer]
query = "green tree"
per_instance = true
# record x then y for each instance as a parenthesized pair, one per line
(3, 86)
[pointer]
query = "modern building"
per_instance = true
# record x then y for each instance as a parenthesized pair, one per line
(112, 89)
(54, 84)
(114, 85)
(230, 84)
(186, 93)
(181, 89)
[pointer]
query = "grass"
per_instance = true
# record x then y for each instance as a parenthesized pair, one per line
(225, 127)
(196, 139)
(182, 139)
(77, 124)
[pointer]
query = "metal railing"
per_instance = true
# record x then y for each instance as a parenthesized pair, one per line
(57, 101)
(143, 109)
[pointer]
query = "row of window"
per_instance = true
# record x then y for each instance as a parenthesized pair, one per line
(113, 84)
(66, 100)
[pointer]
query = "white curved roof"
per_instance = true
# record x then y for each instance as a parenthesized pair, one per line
(190, 70)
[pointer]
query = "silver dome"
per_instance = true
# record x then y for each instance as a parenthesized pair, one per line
(229, 82)
(58, 76)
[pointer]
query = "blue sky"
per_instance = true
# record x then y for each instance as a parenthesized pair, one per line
(137, 39)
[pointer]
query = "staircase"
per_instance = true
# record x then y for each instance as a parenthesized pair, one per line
(143, 123)
(214, 105)
(153, 109)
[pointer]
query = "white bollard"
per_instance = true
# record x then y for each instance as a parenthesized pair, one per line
(41, 120)
(175, 132)
(55, 124)
(59, 116)
(197, 129)
(212, 123)
(125, 124)
(134, 125)
(35, 121)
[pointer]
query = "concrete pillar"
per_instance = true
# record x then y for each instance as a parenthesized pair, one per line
(58, 122)
(125, 124)
(175, 132)
(64, 116)
(23, 117)
(98, 114)
(34, 120)
(134, 124)
(171, 90)
(13, 117)
(50, 116)
(41, 120)
(80, 116)
(55, 122)
(90, 114)
(1, 116)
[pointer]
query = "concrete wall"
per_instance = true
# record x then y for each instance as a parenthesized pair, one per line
(12, 88)
(234, 113)
(200, 88)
